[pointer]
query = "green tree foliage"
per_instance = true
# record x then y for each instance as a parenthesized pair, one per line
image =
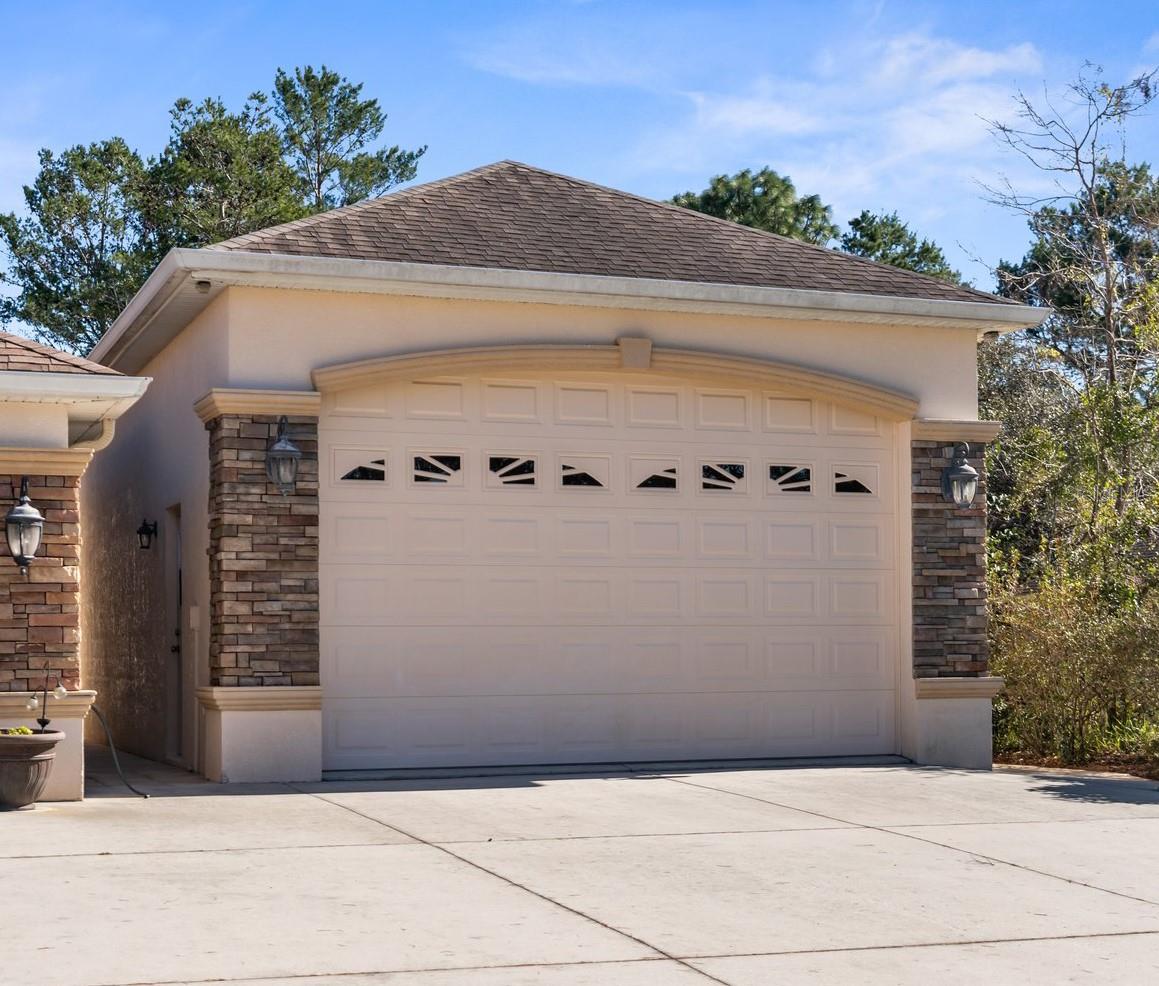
(221, 175)
(764, 200)
(1092, 466)
(326, 129)
(99, 218)
(885, 238)
(81, 250)
(1074, 478)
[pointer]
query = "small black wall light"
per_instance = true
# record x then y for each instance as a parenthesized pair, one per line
(282, 458)
(23, 527)
(145, 534)
(959, 478)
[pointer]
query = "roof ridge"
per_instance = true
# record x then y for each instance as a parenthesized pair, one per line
(317, 217)
(732, 224)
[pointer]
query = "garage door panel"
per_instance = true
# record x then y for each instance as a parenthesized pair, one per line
(481, 595)
(571, 729)
(414, 661)
(534, 571)
(418, 533)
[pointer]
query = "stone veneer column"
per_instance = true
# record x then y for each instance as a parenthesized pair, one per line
(262, 710)
(949, 568)
(40, 612)
(263, 556)
(945, 708)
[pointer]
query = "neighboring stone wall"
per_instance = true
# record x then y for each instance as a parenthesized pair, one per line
(40, 612)
(263, 556)
(949, 569)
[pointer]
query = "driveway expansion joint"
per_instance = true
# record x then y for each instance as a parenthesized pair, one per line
(660, 953)
(930, 842)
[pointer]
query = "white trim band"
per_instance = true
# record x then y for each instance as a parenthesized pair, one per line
(170, 298)
(985, 687)
(271, 698)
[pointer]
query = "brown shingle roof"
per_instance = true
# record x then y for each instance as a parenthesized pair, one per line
(510, 215)
(18, 353)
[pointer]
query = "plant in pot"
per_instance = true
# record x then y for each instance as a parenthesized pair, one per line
(26, 755)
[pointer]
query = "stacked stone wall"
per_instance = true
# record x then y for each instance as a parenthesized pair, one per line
(949, 569)
(40, 611)
(263, 556)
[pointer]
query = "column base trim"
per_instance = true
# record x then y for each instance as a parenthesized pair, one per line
(273, 698)
(986, 687)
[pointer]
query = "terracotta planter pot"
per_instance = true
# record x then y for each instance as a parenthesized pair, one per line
(25, 763)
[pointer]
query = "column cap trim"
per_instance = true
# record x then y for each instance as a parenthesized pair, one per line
(75, 705)
(260, 698)
(951, 430)
(985, 687)
(44, 461)
(222, 400)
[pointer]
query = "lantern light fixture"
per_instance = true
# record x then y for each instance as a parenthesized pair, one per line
(959, 478)
(145, 534)
(282, 459)
(24, 528)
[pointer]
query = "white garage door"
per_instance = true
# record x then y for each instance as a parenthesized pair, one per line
(600, 569)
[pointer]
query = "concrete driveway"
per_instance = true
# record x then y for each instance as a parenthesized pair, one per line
(839, 874)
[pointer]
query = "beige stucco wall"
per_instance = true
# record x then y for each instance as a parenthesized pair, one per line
(277, 337)
(34, 425)
(158, 460)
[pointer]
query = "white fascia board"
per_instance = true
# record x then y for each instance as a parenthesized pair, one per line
(182, 268)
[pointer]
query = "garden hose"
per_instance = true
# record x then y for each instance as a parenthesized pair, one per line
(113, 751)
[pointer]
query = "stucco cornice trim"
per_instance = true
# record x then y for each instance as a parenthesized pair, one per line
(44, 462)
(986, 687)
(221, 401)
(685, 363)
(187, 280)
(949, 430)
(275, 698)
(75, 705)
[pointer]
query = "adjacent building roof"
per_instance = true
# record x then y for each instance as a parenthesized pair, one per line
(18, 353)
(512, 216)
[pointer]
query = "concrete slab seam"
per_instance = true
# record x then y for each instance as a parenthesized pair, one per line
(512, 883)
(928, 842)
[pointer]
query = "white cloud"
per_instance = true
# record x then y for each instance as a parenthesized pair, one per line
(565, 61)
(936, 60)
(770, 109)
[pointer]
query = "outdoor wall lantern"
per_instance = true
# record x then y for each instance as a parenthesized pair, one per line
(959, 478)
(282, 459)
(145, 534)
(24, 527)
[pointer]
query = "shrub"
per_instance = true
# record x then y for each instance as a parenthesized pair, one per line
(1081, 670)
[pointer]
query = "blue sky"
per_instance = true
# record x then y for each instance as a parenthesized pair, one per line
(876, 105)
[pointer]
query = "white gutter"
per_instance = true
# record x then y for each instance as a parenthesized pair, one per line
(182, 269)
(36, 387)
(93, 401)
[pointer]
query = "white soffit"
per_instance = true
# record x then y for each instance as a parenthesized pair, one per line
(171, 298)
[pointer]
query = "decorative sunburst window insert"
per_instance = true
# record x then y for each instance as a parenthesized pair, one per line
(584, 472)
(786, 477)
(723, 477)
(855, 480)
(512, 470)
(373, 471)
(437, 469)
(654, 474)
